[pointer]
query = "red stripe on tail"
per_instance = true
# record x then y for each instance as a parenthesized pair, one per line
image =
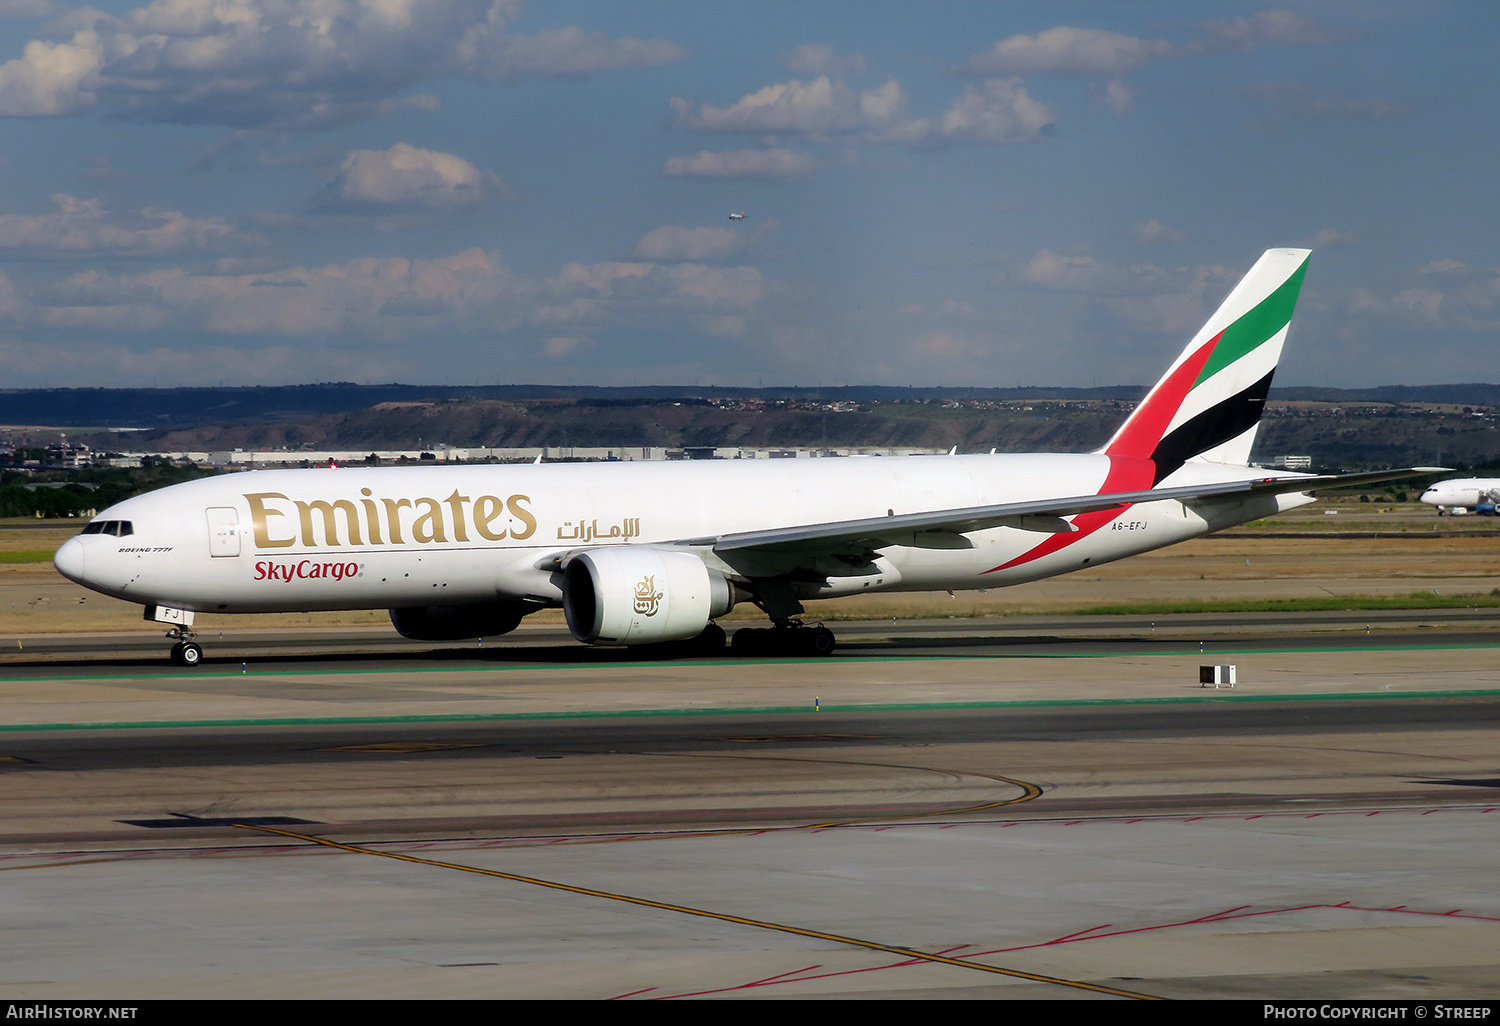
(1150, 420)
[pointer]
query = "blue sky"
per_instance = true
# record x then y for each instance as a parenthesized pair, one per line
(975, 193)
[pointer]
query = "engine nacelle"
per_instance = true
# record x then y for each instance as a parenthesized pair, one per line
(636, 596)
(455, 623)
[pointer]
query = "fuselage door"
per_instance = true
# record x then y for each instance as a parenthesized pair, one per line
(223, 531)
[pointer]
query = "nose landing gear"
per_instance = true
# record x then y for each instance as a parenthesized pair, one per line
(186, 652)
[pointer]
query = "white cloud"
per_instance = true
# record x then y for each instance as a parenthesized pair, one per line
(821, 107)
(1068, 51)
(673, 243)
(404, 176)
(1443, 267)
(999, 111)
(51, 78)
(770, 163)
(110, 364)
(560, 345)
(498, 55)
(946, 345)
(1264, 28)
(1154, 231)
(291, 64)
(1145, 296)
(1117, 96)
(391, 301)
(819, 59)
(83, 227)
(1064, 50)
(1063, 272)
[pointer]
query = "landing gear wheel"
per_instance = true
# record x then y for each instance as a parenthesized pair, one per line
(750, 641)
(793, 640)
(185, 653)
(820, 640)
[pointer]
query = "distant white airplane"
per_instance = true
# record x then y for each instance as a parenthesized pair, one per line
(640, 553)
(737, 217)
(1464, 494)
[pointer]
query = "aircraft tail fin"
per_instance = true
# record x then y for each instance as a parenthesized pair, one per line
(1208, 405)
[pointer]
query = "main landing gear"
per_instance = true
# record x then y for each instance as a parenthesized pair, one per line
(789, 638)
(186, 652)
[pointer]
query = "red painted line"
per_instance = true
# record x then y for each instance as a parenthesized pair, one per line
(1075, 936)
(1225, 916)
(1215, 915)
(774, 980)
(781, 976)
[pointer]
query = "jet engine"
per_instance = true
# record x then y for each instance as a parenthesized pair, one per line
(638, 596)
(454, 623)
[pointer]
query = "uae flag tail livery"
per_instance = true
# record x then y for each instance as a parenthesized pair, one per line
(1208, 405)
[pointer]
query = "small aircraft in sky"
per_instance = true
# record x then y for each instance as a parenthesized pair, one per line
(1464, 494)
(654, 552)
(737, 217)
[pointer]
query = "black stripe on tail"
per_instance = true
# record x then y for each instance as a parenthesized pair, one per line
(1214, 426)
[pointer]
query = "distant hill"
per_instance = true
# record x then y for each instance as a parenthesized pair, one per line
(163, 407)
(1448, 425)
(158, 407)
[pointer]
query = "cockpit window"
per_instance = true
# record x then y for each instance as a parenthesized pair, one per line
(118, 528)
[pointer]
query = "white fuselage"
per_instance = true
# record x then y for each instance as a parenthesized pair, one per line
(361, 538)
(1462, 493)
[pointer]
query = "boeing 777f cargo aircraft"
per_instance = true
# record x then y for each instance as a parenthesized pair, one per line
(641, 553)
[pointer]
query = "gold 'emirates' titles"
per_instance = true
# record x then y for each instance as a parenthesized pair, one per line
(281, 522)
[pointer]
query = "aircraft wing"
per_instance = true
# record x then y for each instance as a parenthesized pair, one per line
(1043, 515)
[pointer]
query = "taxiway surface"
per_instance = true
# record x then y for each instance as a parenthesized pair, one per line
(942, 808)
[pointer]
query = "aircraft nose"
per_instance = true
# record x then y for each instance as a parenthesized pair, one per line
(69, 560)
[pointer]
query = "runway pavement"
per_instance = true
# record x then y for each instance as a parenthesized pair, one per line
(999, 808)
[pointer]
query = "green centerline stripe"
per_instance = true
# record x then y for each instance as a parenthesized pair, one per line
(1033, 703)
(704, 913)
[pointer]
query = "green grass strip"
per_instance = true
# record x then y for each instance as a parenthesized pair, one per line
(27, 556)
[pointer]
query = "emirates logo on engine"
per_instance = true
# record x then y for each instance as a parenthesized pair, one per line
(647, 598)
